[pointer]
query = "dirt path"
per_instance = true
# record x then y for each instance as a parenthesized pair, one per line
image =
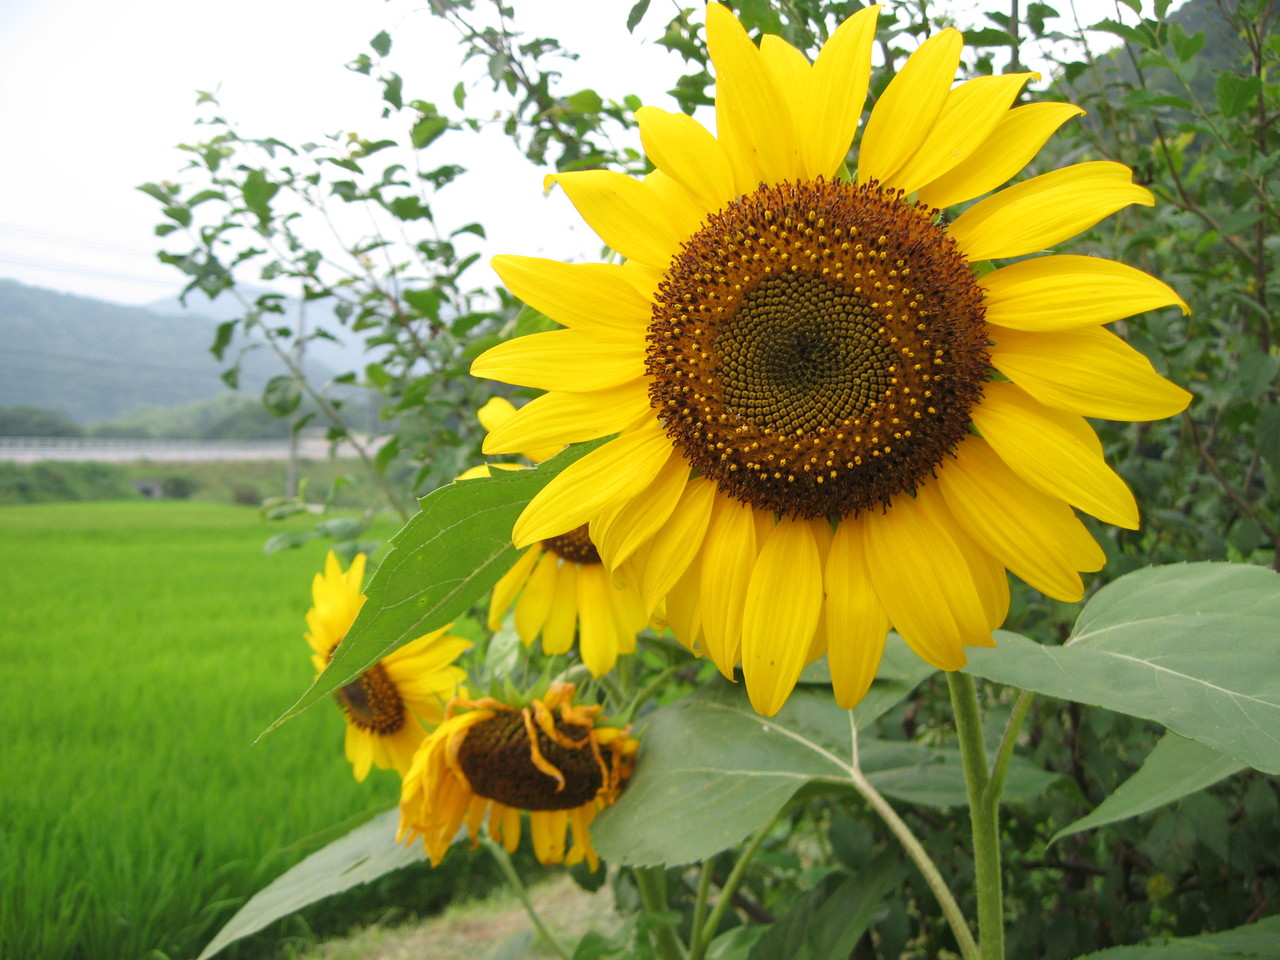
(470, 931)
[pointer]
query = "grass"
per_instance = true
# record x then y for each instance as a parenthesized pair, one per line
(145, 646)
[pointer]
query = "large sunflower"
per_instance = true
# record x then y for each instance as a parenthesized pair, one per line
(828, 422)
(563, 585)
(492, 759)
(385, 704)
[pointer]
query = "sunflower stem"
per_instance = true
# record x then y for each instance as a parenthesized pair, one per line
(652, 883)
(984, 815)
(916, 851)
(509, 870)
(1004, 755)
(704, 937)
(700, 907)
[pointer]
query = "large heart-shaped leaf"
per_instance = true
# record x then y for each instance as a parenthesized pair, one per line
(1192, 646)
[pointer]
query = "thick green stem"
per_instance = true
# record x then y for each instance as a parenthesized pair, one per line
(696, 938)
(984, 816)
(652, 883)
(509, 870)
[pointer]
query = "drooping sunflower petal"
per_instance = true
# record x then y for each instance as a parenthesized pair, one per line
(534, 604)
(565, 360)
(1036, 536)
(1016, 139)
(686, 151)
(619, 531)
(856, 623)
(584, 296)
(923, 581)
(728, 556)
(828, 118)
(969, 115)
(1065, 292)
(1046, 448)
(1045, 210)
(623, 213)
(557, 418)
(506, 589)
(1089, 371)
(781, 611)
(907, 110)
(610, 474)
(753, 120)
(597, 632)
(562, 617)
(676, 543)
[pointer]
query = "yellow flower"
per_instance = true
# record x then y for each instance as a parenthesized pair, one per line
(550, 759)
(563, 585)
(800, 368)
(386, 705)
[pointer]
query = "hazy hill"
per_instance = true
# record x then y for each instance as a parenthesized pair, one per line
(93, 360)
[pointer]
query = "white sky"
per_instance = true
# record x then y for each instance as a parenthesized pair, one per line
(95, 95)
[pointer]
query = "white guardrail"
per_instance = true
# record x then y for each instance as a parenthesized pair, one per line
(113, 450)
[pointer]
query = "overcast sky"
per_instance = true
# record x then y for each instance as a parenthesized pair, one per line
(95, 95)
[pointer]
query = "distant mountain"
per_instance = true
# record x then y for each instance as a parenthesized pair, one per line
(93, 360)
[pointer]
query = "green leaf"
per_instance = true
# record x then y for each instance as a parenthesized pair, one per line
(281, 395)
(1191, 646)
(1235, 91)
(439, 564)
(828, 920)
(515, 947)
(1253, 941)
(427, 130)
(1267, 429)
(381, 43)
(364, 854)
(711, 770)
(1176, 767)
(636, 15)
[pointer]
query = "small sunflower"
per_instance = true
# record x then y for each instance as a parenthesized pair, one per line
(564, 586)
(827, 421)
(387, 704)
(492, 759)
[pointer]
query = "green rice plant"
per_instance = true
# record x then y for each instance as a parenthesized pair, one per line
(138, 812)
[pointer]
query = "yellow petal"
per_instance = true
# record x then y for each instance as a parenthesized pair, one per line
(676, 544)
(1065, 292)
(619, 531)
(1017, 138)
(562, 618)
(495, 412)
(565, 360)
(548, 828)
(684, 609)
(1045, 210)
(505, 590)
(783, 604)
(623, 213)
(1036, 536)
(923, 581)
(687, 152)
(629, 613)
(1048, 449)
(856, 623)
(584, 296)
(607, 475)
(1089, 371)
(535, 600)
(969, 115)
(728, 557)
(555, 418)
(907, 110)
(597, 632)
(753, 119)
(680, 206)
(828, 118)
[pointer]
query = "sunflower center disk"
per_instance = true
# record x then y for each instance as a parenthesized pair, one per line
(372, 701)
(816, 348)
(498, 762)
(574, 546)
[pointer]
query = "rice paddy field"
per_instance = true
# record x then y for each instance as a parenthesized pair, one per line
(145, 645)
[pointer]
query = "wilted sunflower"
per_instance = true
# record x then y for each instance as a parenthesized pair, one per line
(563, 585)
(800, 368)
(493, 759)
(384, 704)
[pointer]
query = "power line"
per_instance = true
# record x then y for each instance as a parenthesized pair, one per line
(62, 267)
(74, 241)
(98, 361)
